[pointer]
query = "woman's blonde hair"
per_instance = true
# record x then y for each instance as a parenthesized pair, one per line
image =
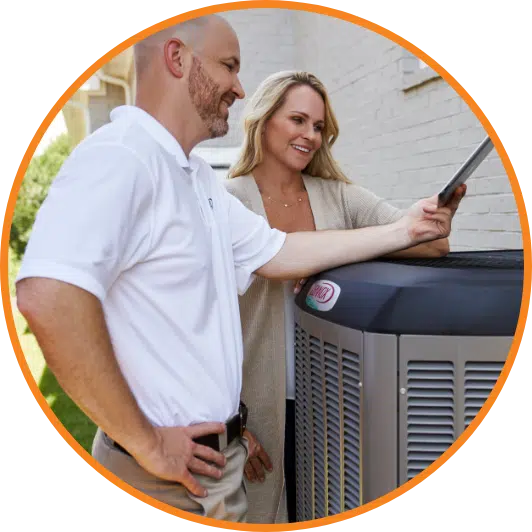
(268, 98)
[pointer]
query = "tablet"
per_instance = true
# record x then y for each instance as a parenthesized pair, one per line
(465, 171)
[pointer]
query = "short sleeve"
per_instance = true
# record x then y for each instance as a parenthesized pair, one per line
(367, 209)
(95, 221)
(254, 242)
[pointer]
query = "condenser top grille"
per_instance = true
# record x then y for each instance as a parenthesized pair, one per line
(505, 260)
(462, 294)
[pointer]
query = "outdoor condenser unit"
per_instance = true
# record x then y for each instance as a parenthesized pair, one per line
(394, 359)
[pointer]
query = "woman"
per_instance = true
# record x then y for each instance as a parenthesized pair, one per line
(287, 174)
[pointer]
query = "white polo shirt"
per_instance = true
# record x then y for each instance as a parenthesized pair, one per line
(160, 242)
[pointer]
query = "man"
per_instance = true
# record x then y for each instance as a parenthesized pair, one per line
(131, 275)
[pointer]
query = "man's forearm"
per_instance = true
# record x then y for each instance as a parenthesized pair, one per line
(70, 328)
(306, 253)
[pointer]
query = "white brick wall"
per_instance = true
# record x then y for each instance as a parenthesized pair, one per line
(267, 45)
(402, 144)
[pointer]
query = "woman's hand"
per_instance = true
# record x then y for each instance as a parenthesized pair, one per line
(426, 221)
(258, 460)
(299, 285)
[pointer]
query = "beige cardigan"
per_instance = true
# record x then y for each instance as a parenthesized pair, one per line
(335, 205)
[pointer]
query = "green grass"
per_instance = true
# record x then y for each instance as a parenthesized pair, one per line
(72, 418)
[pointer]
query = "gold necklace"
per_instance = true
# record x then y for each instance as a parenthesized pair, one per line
(269, 198)
(299, 200)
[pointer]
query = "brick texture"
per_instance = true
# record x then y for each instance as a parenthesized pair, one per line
(402, 142)
(267, 45)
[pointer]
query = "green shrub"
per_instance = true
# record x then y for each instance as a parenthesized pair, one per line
(39, 175)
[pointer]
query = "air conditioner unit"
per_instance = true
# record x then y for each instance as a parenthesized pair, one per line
(393, 361)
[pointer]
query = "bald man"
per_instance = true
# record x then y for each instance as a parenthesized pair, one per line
(130, 278)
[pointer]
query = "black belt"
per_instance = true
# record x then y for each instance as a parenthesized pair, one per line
(234, 428)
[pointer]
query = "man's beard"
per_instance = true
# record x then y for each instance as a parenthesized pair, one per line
(206, 97)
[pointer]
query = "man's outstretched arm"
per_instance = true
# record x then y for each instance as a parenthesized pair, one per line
(306, 253)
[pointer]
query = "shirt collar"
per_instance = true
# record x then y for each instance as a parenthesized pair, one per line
(155, 129)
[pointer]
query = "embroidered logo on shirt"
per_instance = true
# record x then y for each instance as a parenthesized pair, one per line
(323, 295)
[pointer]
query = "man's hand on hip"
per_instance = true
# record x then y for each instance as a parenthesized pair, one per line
(175, 455)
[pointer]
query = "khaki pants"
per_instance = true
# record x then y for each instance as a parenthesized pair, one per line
(226, 499)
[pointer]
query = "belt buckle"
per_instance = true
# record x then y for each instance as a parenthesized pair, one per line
(243, 414)
(222, 440)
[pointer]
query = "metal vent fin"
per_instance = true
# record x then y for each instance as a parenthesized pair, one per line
(304, 450)
(351, 413)
(430, 412)
(480, 378)
(334, 463)
(318, 426)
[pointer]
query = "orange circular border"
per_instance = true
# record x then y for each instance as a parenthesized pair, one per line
(297, 6)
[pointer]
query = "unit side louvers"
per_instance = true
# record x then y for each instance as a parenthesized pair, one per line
(303, 415)
(430, 412)
(334, 460)
(328, 427)
(351, 379)
(318, 426)
(479, 379)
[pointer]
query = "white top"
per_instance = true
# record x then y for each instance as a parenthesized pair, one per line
(160, 242)
(289, 332)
